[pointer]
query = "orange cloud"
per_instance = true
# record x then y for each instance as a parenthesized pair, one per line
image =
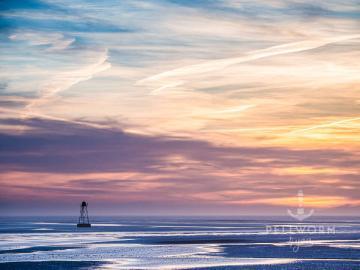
(309, 201)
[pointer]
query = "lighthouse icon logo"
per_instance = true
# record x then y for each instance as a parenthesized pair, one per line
(300, 213)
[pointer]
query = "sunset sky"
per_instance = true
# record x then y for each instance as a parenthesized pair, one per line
(179, 107)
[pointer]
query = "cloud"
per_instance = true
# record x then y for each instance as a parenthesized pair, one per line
(310, 201)
(55, 41)
(35, 15)
(24, 4)
(50, 145)
(325, 125)
(65, 80)
(112, 166)
(216, 65)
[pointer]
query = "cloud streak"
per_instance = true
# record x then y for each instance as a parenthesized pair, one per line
(55, 41)
(216, 65)
(331, 124)
(67, 79)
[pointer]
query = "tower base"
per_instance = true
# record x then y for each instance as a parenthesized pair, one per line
(83, 225)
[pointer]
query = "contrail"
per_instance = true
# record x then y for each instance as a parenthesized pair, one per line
(67, 79)
(60, 83)
(325, 125)
(220, 64)
(234, 109)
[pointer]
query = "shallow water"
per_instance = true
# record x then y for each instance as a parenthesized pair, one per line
(179, 243)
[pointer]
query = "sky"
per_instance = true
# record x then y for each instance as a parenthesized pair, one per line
(179, 107)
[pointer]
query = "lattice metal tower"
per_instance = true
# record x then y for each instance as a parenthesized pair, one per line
(84, 217)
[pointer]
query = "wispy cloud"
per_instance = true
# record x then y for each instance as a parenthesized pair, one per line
(66, 79)
(325, 125)
(55, 41)
(216, 65)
